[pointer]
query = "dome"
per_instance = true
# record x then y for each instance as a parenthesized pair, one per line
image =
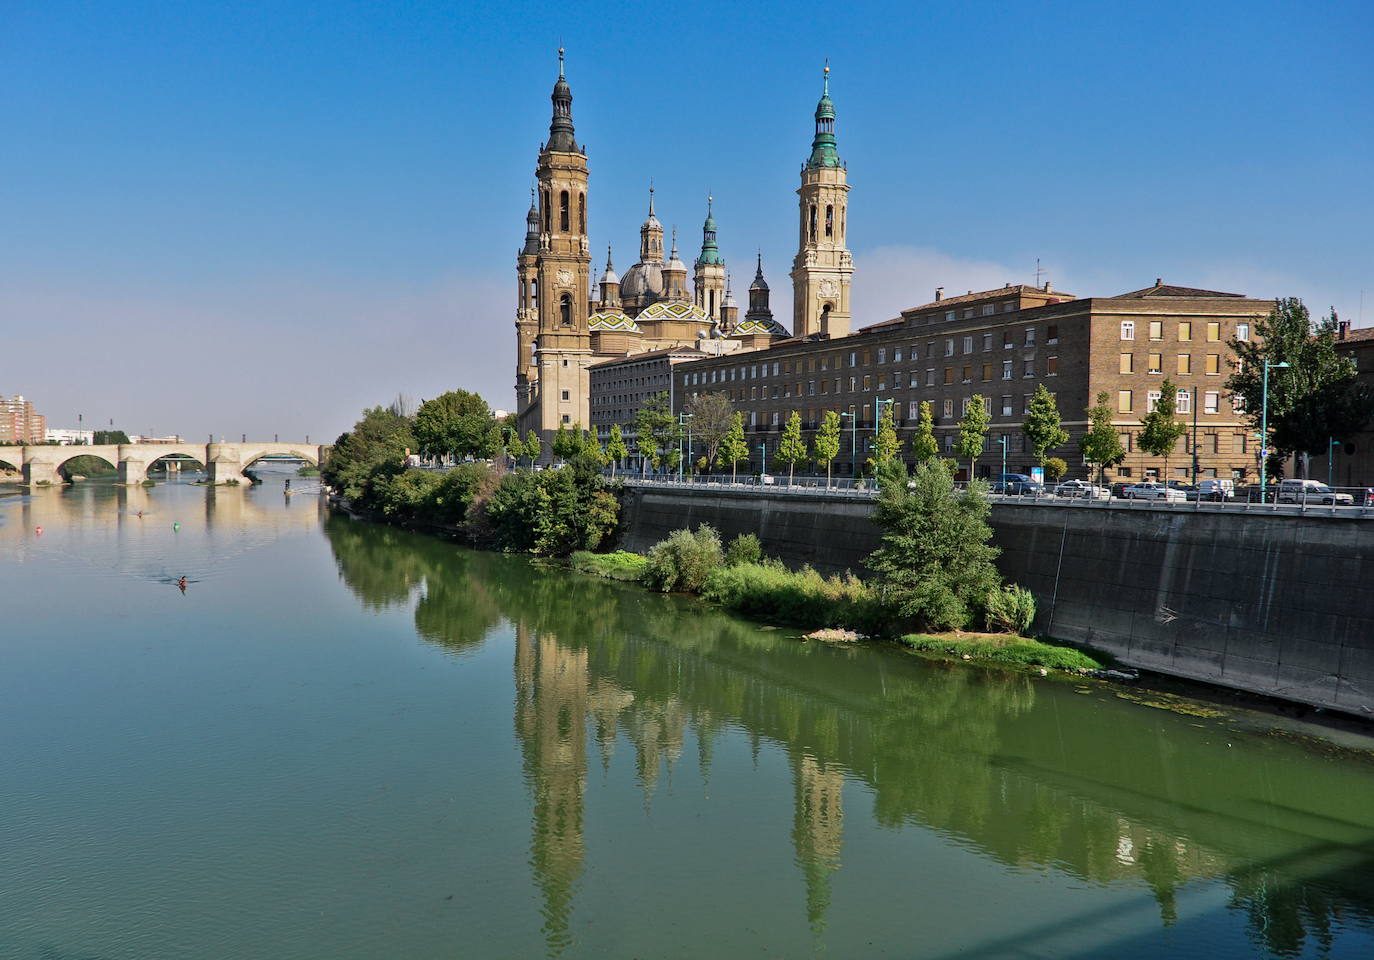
(611, 321)
(609, 276)
(770, 327)
(674, 310)
(643, 279)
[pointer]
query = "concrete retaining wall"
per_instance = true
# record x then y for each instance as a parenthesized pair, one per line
(1279, 605)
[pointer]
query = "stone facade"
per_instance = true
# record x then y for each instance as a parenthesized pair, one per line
(1000, 344)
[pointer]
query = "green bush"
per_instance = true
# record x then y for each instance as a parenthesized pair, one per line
(552, 513)
(620, 565)
(684, 561)
(744, 549)
(1016, 650)
(1010, 609)
(771, 592)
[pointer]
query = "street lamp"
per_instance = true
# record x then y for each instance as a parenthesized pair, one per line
(1264, 424)
(1331, 445)
(763, 458)
(853, 441)
(683, 418)
(1003, 441)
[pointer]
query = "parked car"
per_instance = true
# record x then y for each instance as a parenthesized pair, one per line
(1118, 489)
(1081, 490)
(766, 480)
(1311, 491)
(1016, 485)
(1214, 490)
(1149, 490)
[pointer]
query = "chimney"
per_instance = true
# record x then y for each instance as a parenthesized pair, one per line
(1159, 282)
(1049, 287)
(939, 294)
(1343, 329)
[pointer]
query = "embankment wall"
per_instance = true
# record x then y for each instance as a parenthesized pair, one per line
(1272, 604)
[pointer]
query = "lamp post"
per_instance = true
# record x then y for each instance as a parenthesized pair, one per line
(1196, 399)
(682, 418)
(1331, 445)
(853, 441)
(1003, 441)
(1264, 425)
(763, 457)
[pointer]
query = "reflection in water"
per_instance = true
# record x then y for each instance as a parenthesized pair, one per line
(1035, 775)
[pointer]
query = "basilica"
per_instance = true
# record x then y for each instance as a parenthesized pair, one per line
(563, 327)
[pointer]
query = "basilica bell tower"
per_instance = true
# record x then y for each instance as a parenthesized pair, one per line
(561, 278)
(823, 267)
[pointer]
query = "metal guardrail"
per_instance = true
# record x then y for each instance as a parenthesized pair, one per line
(1362, 508)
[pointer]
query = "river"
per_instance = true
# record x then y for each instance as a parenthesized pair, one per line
(347, 741)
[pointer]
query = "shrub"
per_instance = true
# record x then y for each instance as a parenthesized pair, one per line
(744, 549)
(1055, 467)
(1010, 609)
(770, 591)
(621, 565)
(684, 561)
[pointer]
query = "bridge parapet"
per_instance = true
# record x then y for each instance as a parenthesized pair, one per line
(224, 462)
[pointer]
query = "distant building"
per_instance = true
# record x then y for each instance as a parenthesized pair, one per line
(621, 386)
(138, 438)
(1353, 465)
(20, 423)
(65, 436)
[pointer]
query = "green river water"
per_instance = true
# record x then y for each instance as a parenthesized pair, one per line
(347, 741)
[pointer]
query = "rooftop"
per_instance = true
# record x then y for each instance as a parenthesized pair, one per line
(1162, 289)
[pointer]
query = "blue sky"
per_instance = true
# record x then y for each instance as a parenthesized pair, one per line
(261, 217)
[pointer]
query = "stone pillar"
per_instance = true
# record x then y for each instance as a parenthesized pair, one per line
(133, 464)
(223, 464)
(40, 465)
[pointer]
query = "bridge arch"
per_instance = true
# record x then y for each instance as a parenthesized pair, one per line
(136, 458)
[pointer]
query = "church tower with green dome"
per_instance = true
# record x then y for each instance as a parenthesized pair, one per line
(557, 392)
(823, 267)
(708, 277)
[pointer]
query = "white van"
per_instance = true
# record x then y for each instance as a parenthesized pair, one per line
(1311, 491)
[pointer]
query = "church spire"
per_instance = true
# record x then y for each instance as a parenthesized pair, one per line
(823, 151)
(710, 253)
(561, 137)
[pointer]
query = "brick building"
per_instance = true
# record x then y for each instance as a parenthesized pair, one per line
(619, 387)
(20, 423)
(1001, 344)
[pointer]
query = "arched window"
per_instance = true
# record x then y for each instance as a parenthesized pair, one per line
(563, 211)
(829, 220)
(811, 229)
(581, 213)
(565, 310)
(825, 317)
(711, 301)
(534, 292)
(547, 212)
(841, 224)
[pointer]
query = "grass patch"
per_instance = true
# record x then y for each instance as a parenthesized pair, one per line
(621, 565)
(1003, 648)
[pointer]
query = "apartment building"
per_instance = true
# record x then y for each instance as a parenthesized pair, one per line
(619, 387)
(1000, 345)
(20, 423)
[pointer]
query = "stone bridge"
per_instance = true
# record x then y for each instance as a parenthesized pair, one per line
(224, 462)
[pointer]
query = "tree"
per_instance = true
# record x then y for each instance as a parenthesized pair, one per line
(712, 416)
(656, 431)
(1055, 467)
(1315, 398)
(1159, 431)
(1101, 445)
(111, 436)
(733, 448)
(1041, 426)
(790, 447)
(534, 447)
(457, 424)
(591, 449)
(364, 459)
(973, 431)
(825, 446)
(616, 450)
(936, 562)
(567, 443)
(886, 445)
(514, 446)
(924, 447)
